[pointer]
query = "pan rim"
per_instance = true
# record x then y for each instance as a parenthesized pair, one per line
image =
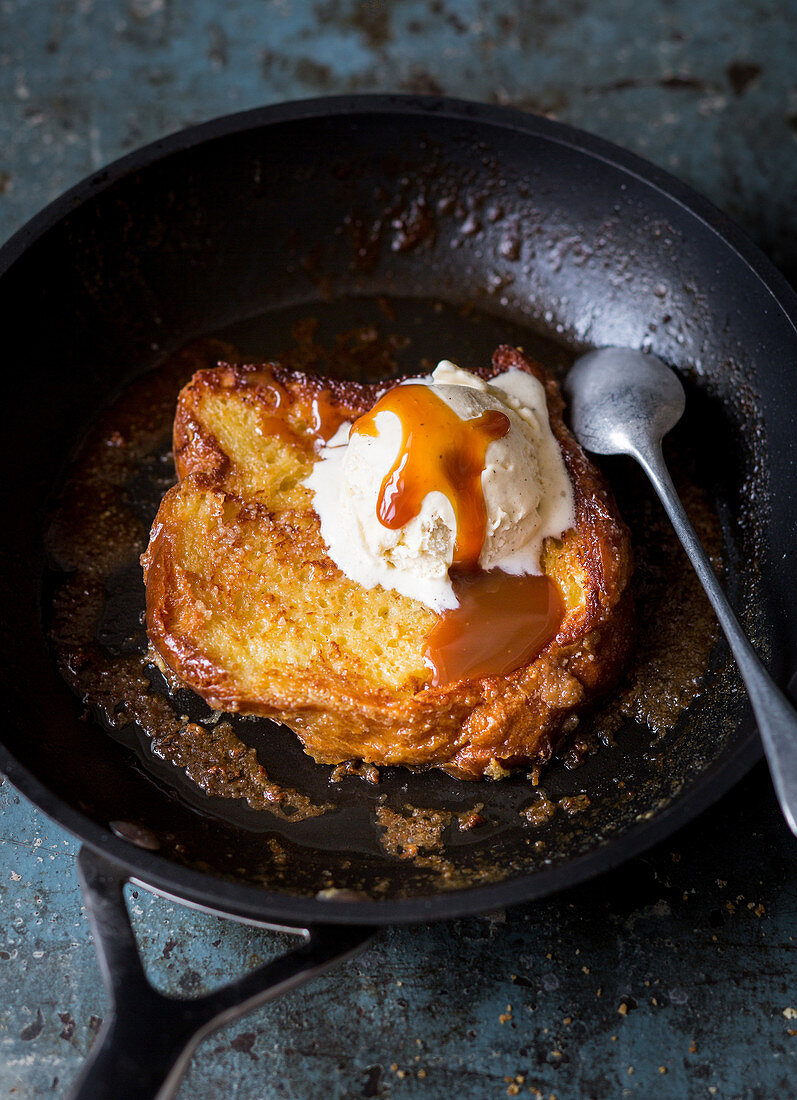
(462, 110)
(251, 902)
(226, 897)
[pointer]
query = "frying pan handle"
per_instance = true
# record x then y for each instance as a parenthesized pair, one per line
(147, 1040)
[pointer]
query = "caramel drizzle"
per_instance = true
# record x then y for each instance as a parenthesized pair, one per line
(321, 415)
(439, 451)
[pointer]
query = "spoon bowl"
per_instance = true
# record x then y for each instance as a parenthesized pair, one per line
(621, 399)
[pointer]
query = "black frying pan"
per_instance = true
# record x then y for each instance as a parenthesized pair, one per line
(458, 226)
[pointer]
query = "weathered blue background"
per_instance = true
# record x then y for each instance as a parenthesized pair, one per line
(695, 941)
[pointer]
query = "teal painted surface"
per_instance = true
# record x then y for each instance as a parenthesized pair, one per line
(682, 961)
(696, 940)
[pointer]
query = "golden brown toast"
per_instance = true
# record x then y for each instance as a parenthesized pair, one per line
(245, 606)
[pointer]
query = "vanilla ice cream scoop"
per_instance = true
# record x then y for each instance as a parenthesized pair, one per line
(470, 474)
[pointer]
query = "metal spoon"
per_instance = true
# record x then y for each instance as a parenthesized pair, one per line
(623, 402)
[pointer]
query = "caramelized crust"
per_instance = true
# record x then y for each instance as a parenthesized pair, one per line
(245, 606)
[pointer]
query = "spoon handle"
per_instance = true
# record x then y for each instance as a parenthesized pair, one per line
(776, 717)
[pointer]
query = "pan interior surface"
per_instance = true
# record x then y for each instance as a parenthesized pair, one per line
(463, 236)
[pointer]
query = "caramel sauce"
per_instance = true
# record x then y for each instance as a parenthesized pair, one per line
(502, 622)
(322, 415)
(325, 415)
(439, 451)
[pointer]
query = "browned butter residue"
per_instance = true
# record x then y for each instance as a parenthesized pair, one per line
(542, 809)
(418, 835)
(678, 628)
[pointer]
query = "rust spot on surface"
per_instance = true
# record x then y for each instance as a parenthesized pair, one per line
(244, 1043)
(370, 20)
(373, 1078)
(34, 1029)
(68, 1021)
(742, 74)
